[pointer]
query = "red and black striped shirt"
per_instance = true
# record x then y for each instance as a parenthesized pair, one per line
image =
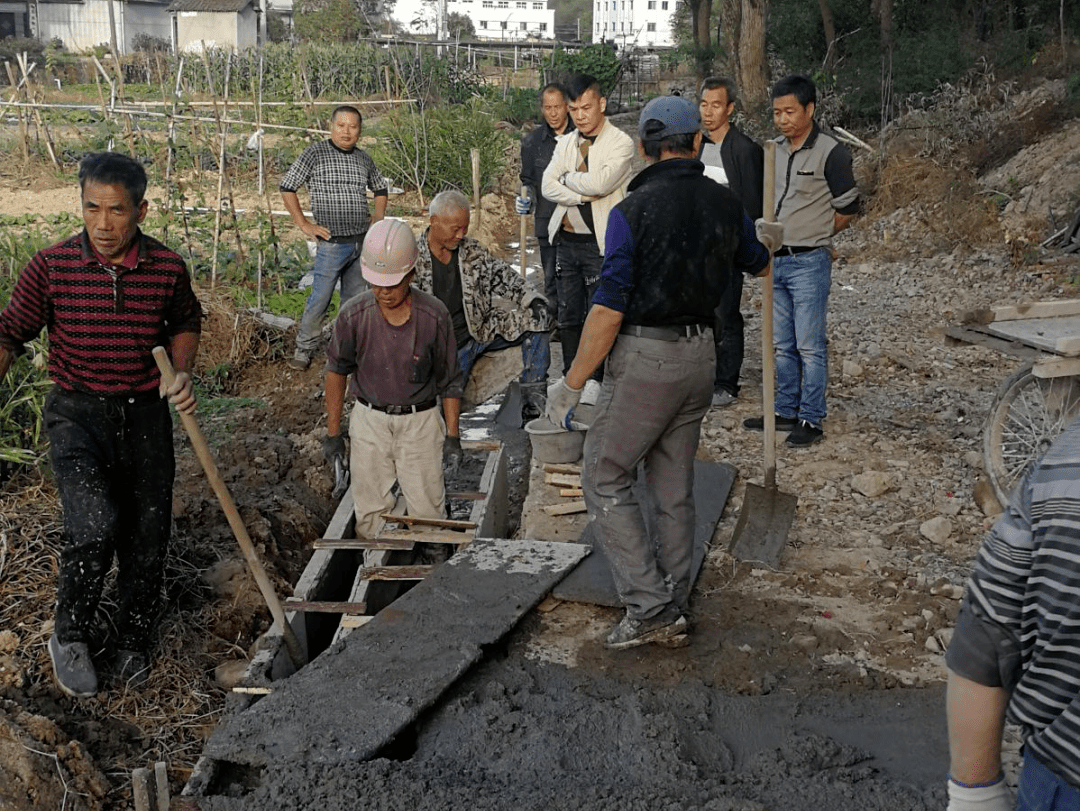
(103, 320)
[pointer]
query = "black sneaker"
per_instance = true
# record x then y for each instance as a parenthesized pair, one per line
(804, 435)
(782, 423)
(132, 668)
(629, 633)
(74, 671)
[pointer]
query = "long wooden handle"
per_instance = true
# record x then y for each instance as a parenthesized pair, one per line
(768, 362)
(524, 233)
(206, 458)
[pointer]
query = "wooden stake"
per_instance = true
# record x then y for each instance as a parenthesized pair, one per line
(477, 213)
(161, 777)
(140, 789)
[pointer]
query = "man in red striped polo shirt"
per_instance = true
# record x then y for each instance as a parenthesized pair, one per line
(107, 297)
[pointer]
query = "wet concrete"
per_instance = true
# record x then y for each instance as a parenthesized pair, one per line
(521, 734)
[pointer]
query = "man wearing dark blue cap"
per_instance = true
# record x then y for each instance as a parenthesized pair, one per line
(670, 248)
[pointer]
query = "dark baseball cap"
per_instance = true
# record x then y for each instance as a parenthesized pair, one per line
(669, 115)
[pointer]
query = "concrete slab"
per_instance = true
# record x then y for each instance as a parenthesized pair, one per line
(591, 581)
(359, 694)
(490, 375)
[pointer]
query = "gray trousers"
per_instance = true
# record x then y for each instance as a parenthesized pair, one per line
(654, 397)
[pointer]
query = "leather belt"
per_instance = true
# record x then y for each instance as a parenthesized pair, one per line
(791, 250)
(396, 410)
(672, 333)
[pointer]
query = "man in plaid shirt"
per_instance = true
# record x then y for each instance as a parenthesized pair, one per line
(338, 175)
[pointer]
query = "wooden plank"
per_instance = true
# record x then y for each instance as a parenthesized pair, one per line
(445, 523)
(140, 789)
(428, 536)
(480, 445)
(1069, 347)
(1056, 367)
(566, 509)
(326, 607)
(1036, 309)
(161, 779)
(979, 336)
(384, 544)
(395, 572)
(1042, 333)
(555, 467)
(562, 479)
(466, 496)
(572, 492)
(253, 691)
(548, 604)
(350, 622)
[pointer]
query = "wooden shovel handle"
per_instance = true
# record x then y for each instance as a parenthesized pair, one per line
(524, 233)
(206, 458)
(768, 361)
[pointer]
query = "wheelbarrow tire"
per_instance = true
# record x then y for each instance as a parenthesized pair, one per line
(1026, 416)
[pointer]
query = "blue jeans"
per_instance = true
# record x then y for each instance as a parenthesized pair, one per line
(535, 355)
(801, 297)
(577, 275)
(333, 261)
(1042, 790)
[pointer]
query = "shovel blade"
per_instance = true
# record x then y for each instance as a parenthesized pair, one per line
(763, 525)
(509, 414)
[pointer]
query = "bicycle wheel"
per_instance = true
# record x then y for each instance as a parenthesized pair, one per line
(1025, 418)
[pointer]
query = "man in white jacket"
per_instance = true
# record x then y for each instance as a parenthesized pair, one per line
(586, 177)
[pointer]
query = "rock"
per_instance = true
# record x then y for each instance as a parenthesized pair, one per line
(11, 675)
(950, 590)
(944, 636)
(986, 498)
(932, 644)
(230, 673)
(220, 575)
(936, 530)
(9, 641)
(951, 507)
(852, 369)
(974, 460)
(873, 483)
(805, 642)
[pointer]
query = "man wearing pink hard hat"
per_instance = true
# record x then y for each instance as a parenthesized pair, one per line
(393, 348)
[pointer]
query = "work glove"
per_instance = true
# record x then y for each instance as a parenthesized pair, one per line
(994, 797)
(769, 234)
(333, 447)
(522, 205)
(561, 402)
(451, 455)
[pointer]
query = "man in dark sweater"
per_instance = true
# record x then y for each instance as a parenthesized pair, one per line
(536, 150)
(108, 296)
(732, 160)
(670, 249)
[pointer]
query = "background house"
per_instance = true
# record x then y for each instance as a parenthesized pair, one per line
(84, 24)
(217, 23)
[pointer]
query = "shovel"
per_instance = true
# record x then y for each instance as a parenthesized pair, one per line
(767, 513)
(524, 232)
(202, 450)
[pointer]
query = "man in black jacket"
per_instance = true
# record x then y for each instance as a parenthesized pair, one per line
(536, 150)
(670, 251)
(735, 161)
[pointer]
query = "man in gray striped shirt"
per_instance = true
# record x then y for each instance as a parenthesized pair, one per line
(338, 175)
(1016, 648)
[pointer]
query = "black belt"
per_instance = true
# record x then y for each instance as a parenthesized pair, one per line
(672, 333)
(397, 410)
(791, 250)
(347, 239)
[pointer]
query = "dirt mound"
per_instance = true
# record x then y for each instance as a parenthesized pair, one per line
(43, 767)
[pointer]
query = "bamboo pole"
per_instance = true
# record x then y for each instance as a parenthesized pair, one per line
(24, 136)
(475, 155)
(259, 130)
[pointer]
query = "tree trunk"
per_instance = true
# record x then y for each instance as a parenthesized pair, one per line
(753, 77)
(112, 31)
(700, 13)
(730, 20)
(830, 37)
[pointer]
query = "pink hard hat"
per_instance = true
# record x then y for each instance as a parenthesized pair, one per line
(389, 253)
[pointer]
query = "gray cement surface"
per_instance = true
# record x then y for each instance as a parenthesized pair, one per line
(523, 735)
(356, 696)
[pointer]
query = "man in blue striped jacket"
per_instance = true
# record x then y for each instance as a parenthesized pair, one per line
(1016, 648)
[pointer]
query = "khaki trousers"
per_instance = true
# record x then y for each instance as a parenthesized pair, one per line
(402, 448)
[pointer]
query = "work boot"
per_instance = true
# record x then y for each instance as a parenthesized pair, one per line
(300, 361)
(629, 633)
(74, 671)
(804, 435)
(533, 400)
(132, 668)
(722, 399)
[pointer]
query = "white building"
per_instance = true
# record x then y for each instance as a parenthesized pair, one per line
(629, 23)
(84, 24)
(511, 20)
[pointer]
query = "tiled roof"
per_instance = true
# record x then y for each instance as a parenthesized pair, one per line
(209, 5)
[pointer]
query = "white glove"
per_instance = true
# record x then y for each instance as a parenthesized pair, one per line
(561, 402)
(769, 234)
(522, 205)
(994, 797)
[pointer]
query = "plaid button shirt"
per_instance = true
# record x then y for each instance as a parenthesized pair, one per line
(338, 182)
